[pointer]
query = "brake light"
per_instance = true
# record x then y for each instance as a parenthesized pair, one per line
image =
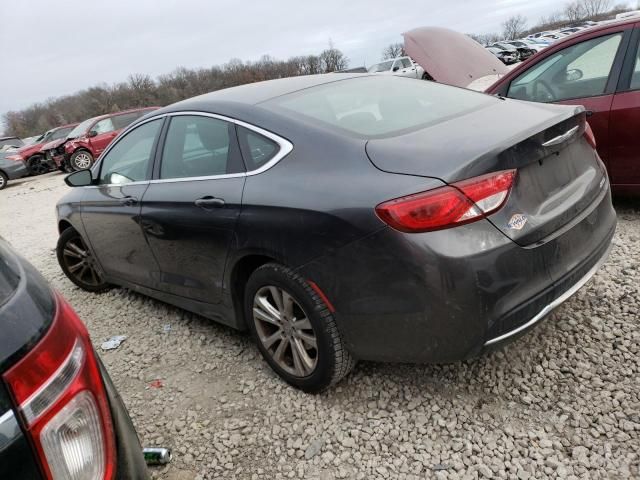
(456, 204)
(62, 401)
(589, 136)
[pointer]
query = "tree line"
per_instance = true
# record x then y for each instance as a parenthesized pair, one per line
(142, 90)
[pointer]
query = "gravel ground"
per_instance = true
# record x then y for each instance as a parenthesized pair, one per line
(561, 402)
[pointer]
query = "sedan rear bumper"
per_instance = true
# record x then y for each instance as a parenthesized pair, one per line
(449, 295)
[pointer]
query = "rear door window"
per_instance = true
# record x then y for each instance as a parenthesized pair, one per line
(126, 119)
(199, 146)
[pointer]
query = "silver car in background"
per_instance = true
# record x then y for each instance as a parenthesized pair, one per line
(400, 67)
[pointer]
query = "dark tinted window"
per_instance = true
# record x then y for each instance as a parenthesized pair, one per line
(128, 160)
(196, 146)
(256, 149)
(124, 120)
(60, 133)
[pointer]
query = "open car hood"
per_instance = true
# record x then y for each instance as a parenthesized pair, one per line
(450, 57)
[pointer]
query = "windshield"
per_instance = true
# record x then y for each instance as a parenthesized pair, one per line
(379, 105)
(381, 67)
(14, 142)
(60, 133)
(82, 128)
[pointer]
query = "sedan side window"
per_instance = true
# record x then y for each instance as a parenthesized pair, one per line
(578, 71)
(257, 149)
(103, 126)
(128, 161)
(197, 146)
(406, 63)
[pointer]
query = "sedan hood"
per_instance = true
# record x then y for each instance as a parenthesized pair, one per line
(450, 57)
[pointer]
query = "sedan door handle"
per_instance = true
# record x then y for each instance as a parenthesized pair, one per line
(209, 202)
(128, 201)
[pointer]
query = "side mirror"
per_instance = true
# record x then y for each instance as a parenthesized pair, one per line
(395, 69)
(573, 75)
(81, 178)
(92, 133)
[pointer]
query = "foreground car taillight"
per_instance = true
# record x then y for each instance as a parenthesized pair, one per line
(589, 136)
(444, 207)
(59, 391)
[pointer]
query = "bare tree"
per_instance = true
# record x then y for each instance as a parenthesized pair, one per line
(332, 59)
(574, 11)
(593, 8)
(393, 50)
(513, 27)
(485, 38)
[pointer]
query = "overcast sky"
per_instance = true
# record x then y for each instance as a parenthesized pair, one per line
(52, 48)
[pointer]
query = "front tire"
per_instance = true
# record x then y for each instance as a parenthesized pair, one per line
(80, 160)
(294, 329)
(77, 262)
(36, 165)
(3, 180)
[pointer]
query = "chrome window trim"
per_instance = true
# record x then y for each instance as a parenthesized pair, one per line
(9, 429)
(285, 149)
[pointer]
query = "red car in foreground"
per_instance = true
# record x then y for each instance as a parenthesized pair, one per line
(88, 140)
(598, 68)
(33, 155)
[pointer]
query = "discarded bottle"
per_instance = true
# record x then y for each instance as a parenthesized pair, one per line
(156, 455)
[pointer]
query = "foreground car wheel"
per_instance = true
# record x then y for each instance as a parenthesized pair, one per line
(81, 160)
(78, 263)
(3, 180)
(294, 329)
(36, 165)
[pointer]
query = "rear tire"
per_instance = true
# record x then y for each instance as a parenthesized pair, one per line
(77, 262)
(80, 160)
(294, 329)
(3, 180)
(36, 165)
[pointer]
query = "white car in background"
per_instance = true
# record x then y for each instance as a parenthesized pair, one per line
(401, 67)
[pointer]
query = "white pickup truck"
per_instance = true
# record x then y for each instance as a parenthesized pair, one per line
(401, 66)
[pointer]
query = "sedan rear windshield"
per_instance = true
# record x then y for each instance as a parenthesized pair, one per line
(378, 106)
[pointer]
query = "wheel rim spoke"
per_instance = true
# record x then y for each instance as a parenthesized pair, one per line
(278, 355)
(302, 324)
(310, 340)
(287, 307)
(76, 248)
(309, 363)
(71, 253)
(265, 311)
(94, 277)
(276, 293)
(270, 340)
(76, 267)
(298, 363)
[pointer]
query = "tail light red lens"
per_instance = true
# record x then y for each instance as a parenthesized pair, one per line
(456, 204)
(589, 136)
(59, 391)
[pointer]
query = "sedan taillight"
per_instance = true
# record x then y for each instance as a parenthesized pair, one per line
(62, 401)
(589, 136)
(444, 207)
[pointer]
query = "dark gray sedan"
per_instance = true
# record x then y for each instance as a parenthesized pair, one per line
(11, 169)
(347, 217)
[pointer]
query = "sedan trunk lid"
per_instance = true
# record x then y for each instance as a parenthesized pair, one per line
(559, 173)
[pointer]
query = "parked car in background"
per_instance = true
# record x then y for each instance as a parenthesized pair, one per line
(33, 154)
(206, 203)
(598, 67)
(529, 45)
(89, 139)
(401, 67)
(7, 142)
(60, 414)
(11, 169)
(523, 52)
(31, 140)
(507, 57)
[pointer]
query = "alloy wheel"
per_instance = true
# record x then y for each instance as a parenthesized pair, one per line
(37, 166)
(2, 182)
(82, 161)
(285, 331)
(80, 262)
